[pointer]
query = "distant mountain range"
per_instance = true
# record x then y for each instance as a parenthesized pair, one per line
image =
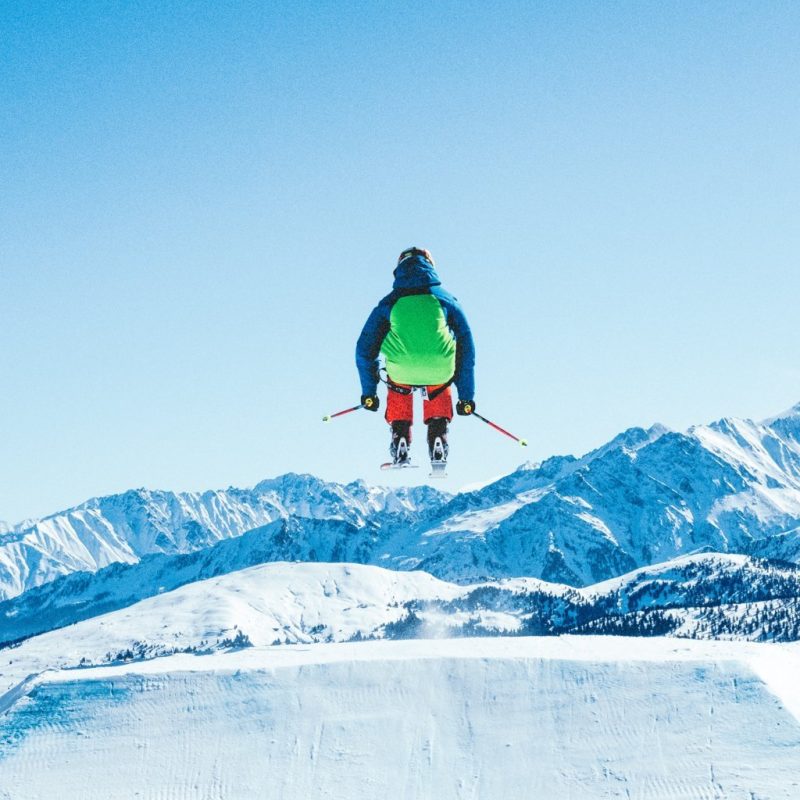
(126, 527)
(691, 534)
(645, 497)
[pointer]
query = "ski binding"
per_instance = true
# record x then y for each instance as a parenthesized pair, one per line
(438, 453)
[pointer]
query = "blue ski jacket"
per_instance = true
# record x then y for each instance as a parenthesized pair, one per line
(422, 332)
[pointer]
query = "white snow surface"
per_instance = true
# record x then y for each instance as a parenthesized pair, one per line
(663, 571)
(569, 717)
(295, 603)
(275, 603)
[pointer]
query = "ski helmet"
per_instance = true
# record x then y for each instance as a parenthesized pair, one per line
(416, 251)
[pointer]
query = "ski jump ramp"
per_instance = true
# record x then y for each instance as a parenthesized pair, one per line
(501, 718)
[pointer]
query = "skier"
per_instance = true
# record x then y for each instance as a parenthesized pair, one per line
(425, 339)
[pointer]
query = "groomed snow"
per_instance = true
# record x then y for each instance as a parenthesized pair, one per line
(554, 718)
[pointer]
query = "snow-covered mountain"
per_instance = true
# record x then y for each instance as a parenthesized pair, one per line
(81, 595)
(124, 528)
(646, 497)
(709, 580)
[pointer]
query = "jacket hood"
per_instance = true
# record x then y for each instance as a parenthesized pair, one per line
(415, 272)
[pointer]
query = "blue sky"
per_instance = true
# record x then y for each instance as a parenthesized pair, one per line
(202, 202)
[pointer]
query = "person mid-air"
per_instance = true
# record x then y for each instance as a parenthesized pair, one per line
(423, 335)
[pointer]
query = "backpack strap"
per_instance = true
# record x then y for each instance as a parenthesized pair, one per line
(393, 387)
(436, 392)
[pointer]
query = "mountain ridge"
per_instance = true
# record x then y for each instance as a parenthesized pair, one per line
(646, 496)
(122, 528)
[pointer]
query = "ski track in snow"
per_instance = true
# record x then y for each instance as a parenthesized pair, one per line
(570, 717)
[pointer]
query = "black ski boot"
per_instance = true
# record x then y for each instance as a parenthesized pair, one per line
(437, 445)
(399, 448)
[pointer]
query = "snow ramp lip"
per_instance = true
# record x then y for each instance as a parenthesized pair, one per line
(776, 666)
(23, 689)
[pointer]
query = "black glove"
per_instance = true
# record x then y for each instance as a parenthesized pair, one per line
(370, 402)
(465, 407)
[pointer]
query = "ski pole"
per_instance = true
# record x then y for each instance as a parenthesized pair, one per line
(329, 417)
(522, 442)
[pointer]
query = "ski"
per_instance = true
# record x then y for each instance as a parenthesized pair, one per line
(404, 465)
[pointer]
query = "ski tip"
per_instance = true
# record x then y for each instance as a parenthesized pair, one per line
(326, 418)
(523, 442)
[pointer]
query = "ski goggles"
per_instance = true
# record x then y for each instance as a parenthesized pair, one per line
(416, 251)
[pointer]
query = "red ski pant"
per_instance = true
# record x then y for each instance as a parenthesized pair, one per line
(400, 407)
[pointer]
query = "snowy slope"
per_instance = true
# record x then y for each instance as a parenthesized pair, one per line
(504, 718)
(707, 596)
(268, 604)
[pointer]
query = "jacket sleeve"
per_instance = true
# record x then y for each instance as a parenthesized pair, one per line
(368, 347)
(464, 377)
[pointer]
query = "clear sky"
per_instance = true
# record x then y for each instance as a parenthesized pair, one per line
(200, 203)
